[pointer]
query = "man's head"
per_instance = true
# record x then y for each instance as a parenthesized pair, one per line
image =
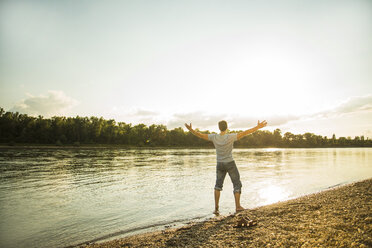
(222, 125)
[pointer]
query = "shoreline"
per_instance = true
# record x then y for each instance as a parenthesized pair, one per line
(114, 146)
(97, 146)
(337, 217)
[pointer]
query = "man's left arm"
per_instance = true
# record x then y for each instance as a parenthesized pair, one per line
(252, 130)
(196, 133)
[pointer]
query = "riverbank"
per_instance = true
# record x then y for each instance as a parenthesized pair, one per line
(339, 217)
(120, 146)
(94, 146)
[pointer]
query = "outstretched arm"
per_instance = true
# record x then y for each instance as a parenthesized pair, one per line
(200, 135)
(252, 130)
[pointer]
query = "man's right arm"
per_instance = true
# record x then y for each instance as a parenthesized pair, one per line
(197, 134)
(252, 130)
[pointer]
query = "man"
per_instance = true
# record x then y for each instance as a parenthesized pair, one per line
(223, 142)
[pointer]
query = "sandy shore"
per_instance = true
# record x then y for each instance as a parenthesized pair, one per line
(340, 217)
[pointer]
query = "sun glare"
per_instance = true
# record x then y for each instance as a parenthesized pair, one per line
(273, 193)
(272, 149)
(278, 76)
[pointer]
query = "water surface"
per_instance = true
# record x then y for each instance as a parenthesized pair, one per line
(62, 197)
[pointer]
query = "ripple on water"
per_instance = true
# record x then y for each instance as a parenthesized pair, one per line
(69, 195)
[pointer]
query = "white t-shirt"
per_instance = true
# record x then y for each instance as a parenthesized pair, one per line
(224, 145)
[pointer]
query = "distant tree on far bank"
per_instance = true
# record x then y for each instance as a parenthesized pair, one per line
(59, 130)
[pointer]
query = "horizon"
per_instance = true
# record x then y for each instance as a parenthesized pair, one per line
(185, 129)
(303, 67)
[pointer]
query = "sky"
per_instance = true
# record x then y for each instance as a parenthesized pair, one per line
(304, 66)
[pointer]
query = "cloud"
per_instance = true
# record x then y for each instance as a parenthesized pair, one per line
(142, 112)
(132, 112)
(208, 121)
(134, 115)
(54, 103)
(199, 119)
(352, 105)
(204, 120)
(276, 120)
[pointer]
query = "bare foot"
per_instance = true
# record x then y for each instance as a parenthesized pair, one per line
(240, 208)
(216, 212)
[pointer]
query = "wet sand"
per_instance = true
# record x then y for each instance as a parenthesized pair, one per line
(339, 217)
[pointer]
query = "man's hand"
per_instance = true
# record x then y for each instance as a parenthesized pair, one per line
(189, 127)
(200, 135)
(261, 124)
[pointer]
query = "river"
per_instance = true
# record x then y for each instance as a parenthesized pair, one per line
(62, 197)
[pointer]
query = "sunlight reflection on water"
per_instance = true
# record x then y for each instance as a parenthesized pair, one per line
(273, 193)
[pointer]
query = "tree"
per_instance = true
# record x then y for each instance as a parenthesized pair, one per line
(21, 128)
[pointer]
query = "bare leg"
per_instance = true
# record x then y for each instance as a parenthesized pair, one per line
(216, 201)
(237, 202)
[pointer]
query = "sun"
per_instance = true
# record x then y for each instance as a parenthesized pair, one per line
(273, 81)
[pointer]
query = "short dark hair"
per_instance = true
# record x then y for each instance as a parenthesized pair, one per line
(222, 125)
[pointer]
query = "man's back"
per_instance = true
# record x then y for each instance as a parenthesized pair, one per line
(224, 145)
(225, 163)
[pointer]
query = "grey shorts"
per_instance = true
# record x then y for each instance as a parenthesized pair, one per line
(228, 167)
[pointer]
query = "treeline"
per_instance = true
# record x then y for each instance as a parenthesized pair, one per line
(21, 128)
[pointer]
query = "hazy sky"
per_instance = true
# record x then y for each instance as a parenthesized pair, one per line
(301, 65)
